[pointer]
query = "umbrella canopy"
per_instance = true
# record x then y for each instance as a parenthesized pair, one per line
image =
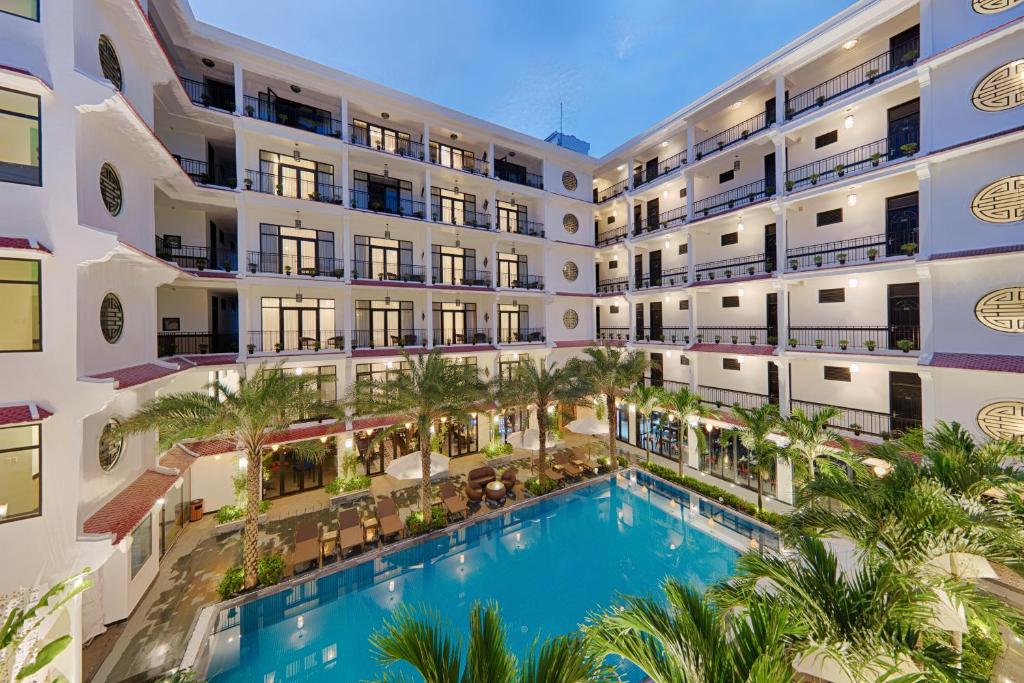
(588, 425)
(822, 665)
(408, 466)
(964, 566)
(530, 440)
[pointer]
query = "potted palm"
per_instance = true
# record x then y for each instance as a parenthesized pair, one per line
(872, 254)
(789, 185)
(753, 339)
(876, 158)
(718, 338)
(843, 343)
(728, 272)
(909, 149)
(818, 260)
(793, 341)
(909, 248)
(840, 170)
(734, 338)
(870, 345)
(818, 343)
(250, 348)
(841, 257)
(793, 264)
(905, 345)
(814, 178)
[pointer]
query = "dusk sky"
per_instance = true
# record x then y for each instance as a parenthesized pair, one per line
(619, 67)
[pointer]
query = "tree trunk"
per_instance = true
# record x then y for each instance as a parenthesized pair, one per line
(647, 441)
(611, 409)
(759, 484)
(542, 432)
(251, 531)
(425, 476)
(683, 452)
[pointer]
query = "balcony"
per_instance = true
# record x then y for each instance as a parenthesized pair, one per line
(388, 272)
(520, 281)
(855, 339)
(288, 264)
(523, 335)
(611, 191)
(401, 338)
(853, 251)
(303, 118)
(296, 188)
(857, 421)
(745, 334)
(852, 162)
(461, 217)
(645, 175)
(730, 136)
(521, 226)
(666, 384)
(615, 284)
(612, 236)
(462, 277)
(516, 174)
(666, 278)
(735, 198)
(195, 343)
(276, 341)
(867, 73)
(666, 219)
(679, 334)
(209, 94)
(617, 334)
(387, 142)
(195, 258)
(724, 398)
(462, 162)
(387, 203)
(745, 266)
(461, 336)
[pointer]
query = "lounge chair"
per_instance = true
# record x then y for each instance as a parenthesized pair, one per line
(482, 476)
(581, 457)
(454, 503)
(474, 492)
(350, 530)
(387, 515)
(307, 545)
(563, 460)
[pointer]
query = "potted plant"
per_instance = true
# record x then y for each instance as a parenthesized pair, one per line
(252, 267)
(772, 341)
(699, 155)
(789, 185)
(818, 343)
(287, 270)
(840, 170)
(843, 343)
(909, 56)
(876, 157)
(872, 254)
(870, 344)
(886, 436)
(316, 345)
(700, 338)
(250, 348)
(789, 112)
(793, 341)
(818, 260)
(855, 428)
(721, 144)
(249, 110)
(728, 272)
(200, 264)
(718, 338)
(338, 273)
(820, 100)
(277, 347)
(753, 339)
(699, 277)
(814, 178)
(793, 263)
(686, 339)
(905, 345)
(711, 275)
(909, 248)
(769, 190)
(871, 74)
(248, 183)
(750, 270)
(745, 133)
(841, 257)
(735, 338)
(909, 149)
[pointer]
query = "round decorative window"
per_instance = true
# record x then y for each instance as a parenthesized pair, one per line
(1002, 310)
(570, 271)
(1002, 89)
(111, 446)
(571, 319)
(571, 223)
(569, 181)
(111, 318)
(994, 6)
(110, 189)
(1001, 201)
(110, 64)
(1003, 420)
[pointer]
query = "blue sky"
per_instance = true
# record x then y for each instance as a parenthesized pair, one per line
(619, 66)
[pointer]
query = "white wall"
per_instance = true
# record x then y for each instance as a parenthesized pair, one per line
(866, 304)
(868, 388)
(956, 288)
(960, 394)
(752, 375)
(951, 23)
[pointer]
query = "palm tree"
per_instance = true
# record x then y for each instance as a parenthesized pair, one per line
(950, 456)
(420, 639)
(811, 437)
(687, 639)
(268, 401)
(544, 386)
(611, 372)
(433, 387)
(755, 435)
(645, 400)
(684, 405)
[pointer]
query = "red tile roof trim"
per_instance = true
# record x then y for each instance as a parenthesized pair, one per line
(135, 375)
(177, 458)
(22, 413)
(731, 280)
(978, 361)
(125, 510)
(573, 344)
(967, 253)
(22, 243)
(738, 349)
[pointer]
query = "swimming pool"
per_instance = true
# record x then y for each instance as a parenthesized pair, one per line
(547, 565)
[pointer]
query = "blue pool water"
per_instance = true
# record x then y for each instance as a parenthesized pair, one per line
(547, 565)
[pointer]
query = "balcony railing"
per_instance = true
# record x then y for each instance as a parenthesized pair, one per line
(857, 421)
(744, 334)
(462, 277)
(409, 208)
(723, 398)
(730, 136)
(855, 250)
(292, 264)
(267, 341)
(198, 171)
(463, 217)
(513, 175)
(863, 74)
(726, 201)
(666, 219)
(195, 343)
(611, 191)
(388, 143)
(476, 166)
(852, 162)
(523, 335)
(612, 236)
(521, 226)
(296, 188)
(854, 338)
(744, 266)
(520, 281)
(666, 384)
(291, 116)
(463, 335)
(198, 258)
(666, 278)
(644, 175)
(373, 339)
(675, 334)
(209, 94)
(615, 284)
(390, 272)
(613, 334)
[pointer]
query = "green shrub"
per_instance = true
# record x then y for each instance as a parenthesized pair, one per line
(346, 484)
(438, 519)
(539, 488)
(180, 676)
(230, 513)
(231, 584)
(714, 493)
(497, 449)
(269, 570)
(982, 646)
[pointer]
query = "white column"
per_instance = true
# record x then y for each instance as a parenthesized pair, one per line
(927, 322)
(428, 255)
(494, 328)
(490, 159)
(692, 446)
(239, 89)
(690, 261)
(347, 248)
(926, 8)
(426, 141)
(688, 178)
(925, 232)
(785, 390)
(545, 213)
(629, 220)
(344, 124)
(430, 318)
(928, 415)
(780, 99)
(349, 315)
(784, 482)
(689, 153)
(924, 80)
(244, 320)
(780, 164)
(346, 178)
(242, 240)
(630, 165)
(428, 208)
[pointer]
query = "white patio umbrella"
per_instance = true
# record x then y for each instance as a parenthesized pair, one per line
(822, 665)
(530, 440)
(964, 566)
(409, 467)
(588, 425)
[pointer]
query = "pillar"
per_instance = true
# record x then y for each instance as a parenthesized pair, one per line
(692, 445)
(239, 89)
(925, 230)
(346, 178)
(780, 100)
(344, 130)
(244, 321)
(490, 159)
(430, 318)
(688, 177)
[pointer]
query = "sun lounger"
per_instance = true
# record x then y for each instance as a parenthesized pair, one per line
(387, 515)
(350, 530)
(582, 458)
(564, 461)
(454, 503)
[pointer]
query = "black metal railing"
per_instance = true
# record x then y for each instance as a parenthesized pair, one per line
(666, 278)
(514, 175)
(841, 338)
(463, 217)
(855, 250)
(730, 136)
(195, 343)
(723, 398)
(666, 219)
(197, 170)
(611, 191)
(267, 341)
(726, 201)
(851, 79)
(379, 270)
(666, 384)
(476, 166)
(853, 162)
(296, 188)
(372, 339)
(194, 257)
(388, 142)
(612, 236)
(521, 226)
(522, 335)
(463, 277)
(613, 333)
(645, 175)
(291, 116)
(615, 284)
(520, 281)
(464, 335)
(744, 266)
(857, 421)
(209, 94)
(292, 264)
(409, 208)
(743, 334)
(671, 334)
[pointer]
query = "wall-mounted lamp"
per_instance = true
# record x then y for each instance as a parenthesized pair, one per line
(851, 199)
(848, 122)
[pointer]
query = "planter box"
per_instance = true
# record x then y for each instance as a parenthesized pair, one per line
(349, 497)
(501, 460)
(234, 525)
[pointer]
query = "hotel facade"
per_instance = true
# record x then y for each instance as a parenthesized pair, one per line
(842, 224)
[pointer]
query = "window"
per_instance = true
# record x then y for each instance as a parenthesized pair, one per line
(20, 473)
(452, 157)
(730, 302)
(142, 543)
(610, 220)
(830, 217)
(682, 193)
(684, 248)
(28, 9)
(110, 189)
(612, 265)
(111, 446)
(20, 306)
(730, 238)
(727, 176)
(110, 64)
(111, 318)
(683, 360)
(613, 309)
(19, 131)
(826, 139)
(831, 296)
(684, 304)
(834, 373)
(730, 363)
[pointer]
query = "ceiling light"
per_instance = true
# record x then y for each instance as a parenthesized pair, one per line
(739, 292)
(851, 199)
(384, 115)
(664, 195)
(296, 89)
(848, 122)
(737, 105)
(739, 226)
(620, 167)
(208, 62)
(854, 368)
(454, 136)
(850, 44)
(665, 144)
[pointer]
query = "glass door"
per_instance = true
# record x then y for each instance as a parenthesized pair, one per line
(453, 266)
(295, 181)
(386, 325)
(298, 253)
(384, 262)
(509, 323)
(508, 270)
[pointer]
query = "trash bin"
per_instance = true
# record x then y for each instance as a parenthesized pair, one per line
(196, 510)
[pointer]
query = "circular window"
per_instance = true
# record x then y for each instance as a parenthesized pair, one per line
(110, 189)
(1003, 420)
(1001, 201)
(1002, 89)
(571, 319)
(569, 181)
(570, 271)
(1002, 310)
(111, 318)
(993, 6)
(110, 64)
(571, 223)
(111, 446)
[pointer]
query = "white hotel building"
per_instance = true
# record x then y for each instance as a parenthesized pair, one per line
(841, 224)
